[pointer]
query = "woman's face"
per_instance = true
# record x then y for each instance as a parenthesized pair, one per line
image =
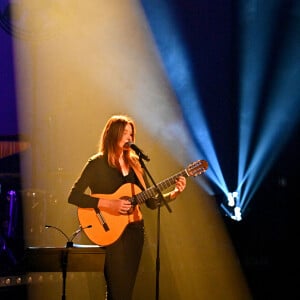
(127, 136)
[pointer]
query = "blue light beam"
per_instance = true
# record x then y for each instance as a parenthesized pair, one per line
(179, 71)
(280, 114)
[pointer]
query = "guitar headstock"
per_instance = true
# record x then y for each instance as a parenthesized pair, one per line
(196, 168)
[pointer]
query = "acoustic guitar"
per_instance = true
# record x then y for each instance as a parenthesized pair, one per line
(107, 227)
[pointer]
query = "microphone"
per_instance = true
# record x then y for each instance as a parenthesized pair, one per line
(137, 150)
(74, 234)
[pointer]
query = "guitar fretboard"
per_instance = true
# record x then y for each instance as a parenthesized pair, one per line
(152, 191)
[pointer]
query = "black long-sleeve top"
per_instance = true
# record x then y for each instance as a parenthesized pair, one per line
(100, 178)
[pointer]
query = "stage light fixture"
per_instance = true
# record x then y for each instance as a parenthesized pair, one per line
(232, 198)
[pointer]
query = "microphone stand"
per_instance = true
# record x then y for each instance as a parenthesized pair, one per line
(162, 200)
(65, 254)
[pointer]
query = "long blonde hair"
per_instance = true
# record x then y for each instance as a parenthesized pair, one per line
(111, 135)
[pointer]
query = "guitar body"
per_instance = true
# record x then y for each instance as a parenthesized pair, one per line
(116, 223)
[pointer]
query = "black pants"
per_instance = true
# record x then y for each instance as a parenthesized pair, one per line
(122, 261)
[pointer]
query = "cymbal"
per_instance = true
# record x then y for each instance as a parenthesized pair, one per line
(8, 148)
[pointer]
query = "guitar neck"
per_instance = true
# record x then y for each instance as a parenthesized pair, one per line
(152, 191)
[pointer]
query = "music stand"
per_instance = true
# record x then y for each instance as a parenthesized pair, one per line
(78, 258)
